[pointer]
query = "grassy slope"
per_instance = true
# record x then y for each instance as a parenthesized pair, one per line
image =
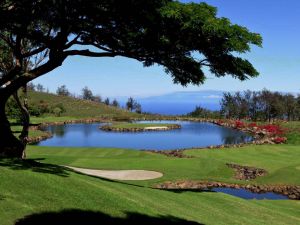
(77, 108)
(27, 189)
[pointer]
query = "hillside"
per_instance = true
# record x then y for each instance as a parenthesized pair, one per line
(78, 108)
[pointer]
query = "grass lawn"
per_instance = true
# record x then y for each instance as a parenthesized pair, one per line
(293, 133)
(30, 188)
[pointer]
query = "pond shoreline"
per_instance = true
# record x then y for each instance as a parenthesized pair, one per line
(291, 191)
(259, 138)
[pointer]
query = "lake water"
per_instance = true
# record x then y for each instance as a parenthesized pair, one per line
(191, 134)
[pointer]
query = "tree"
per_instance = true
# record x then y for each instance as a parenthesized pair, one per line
(40, 88)
(138, 108)
(63, 91)
(290, 105)
(130, 104)
(97, 98)
(115, 103)
(204, 113)
(87, 94)
(228, 105)
(31, 86)
(43, 34)
(107, 101)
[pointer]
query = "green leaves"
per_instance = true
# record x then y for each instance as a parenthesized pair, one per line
(160, 32)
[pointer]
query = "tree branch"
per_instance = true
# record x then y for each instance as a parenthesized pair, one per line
(34, 52)
(74, 41)
(90, 53)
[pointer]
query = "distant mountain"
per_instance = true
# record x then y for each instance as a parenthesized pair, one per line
(181, 102)
(187, 96)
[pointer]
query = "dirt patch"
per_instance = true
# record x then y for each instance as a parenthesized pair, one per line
(171, 153)
(246, 172)
(120, 174)
(292, 192)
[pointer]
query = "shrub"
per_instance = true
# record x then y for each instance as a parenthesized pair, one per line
(239, 124)
(279, 140)
(252, 125)
(272, 129)
(57, 111)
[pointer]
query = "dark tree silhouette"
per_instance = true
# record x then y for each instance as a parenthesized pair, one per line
(87, 94)
(37, 36)
(82, 217)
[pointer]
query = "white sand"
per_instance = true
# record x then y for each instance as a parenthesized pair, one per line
(156, 128)
(120, 174)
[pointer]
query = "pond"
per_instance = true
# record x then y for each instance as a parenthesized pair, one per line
(246, 194)
(191, 134)
(241, 193)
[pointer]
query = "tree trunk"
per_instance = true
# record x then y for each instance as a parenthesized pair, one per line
(25, 116)
(10, 146)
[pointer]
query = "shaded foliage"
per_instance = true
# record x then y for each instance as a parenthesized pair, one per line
(204, 113)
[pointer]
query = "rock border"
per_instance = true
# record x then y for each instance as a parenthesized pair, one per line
(34, 140)
(291, 191)
(259, 138)
(246, 172)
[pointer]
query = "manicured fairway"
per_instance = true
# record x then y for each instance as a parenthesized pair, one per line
(281, 161)
(30, 188)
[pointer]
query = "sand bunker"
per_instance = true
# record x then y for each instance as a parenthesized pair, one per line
(156, 128)
(120, 174)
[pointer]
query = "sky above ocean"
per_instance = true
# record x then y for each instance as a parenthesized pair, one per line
(278, 61)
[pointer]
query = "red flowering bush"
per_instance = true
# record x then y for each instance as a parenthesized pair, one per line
(239, 124)
(272, 129)
(279, 140)
(251, 125)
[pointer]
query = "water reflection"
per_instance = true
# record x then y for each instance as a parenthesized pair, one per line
(59, 131)
(191, 134)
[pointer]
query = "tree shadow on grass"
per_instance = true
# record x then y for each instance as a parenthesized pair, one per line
(35, 166)
(188, 190)
(83, 217)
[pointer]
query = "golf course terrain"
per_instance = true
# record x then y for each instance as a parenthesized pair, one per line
(42, 190)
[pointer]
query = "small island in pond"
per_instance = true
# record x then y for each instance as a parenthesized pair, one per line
(139, 127)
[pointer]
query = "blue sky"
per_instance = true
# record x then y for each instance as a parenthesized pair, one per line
(278, 21)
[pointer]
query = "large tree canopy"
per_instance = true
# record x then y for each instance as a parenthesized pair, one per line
(36, 36)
